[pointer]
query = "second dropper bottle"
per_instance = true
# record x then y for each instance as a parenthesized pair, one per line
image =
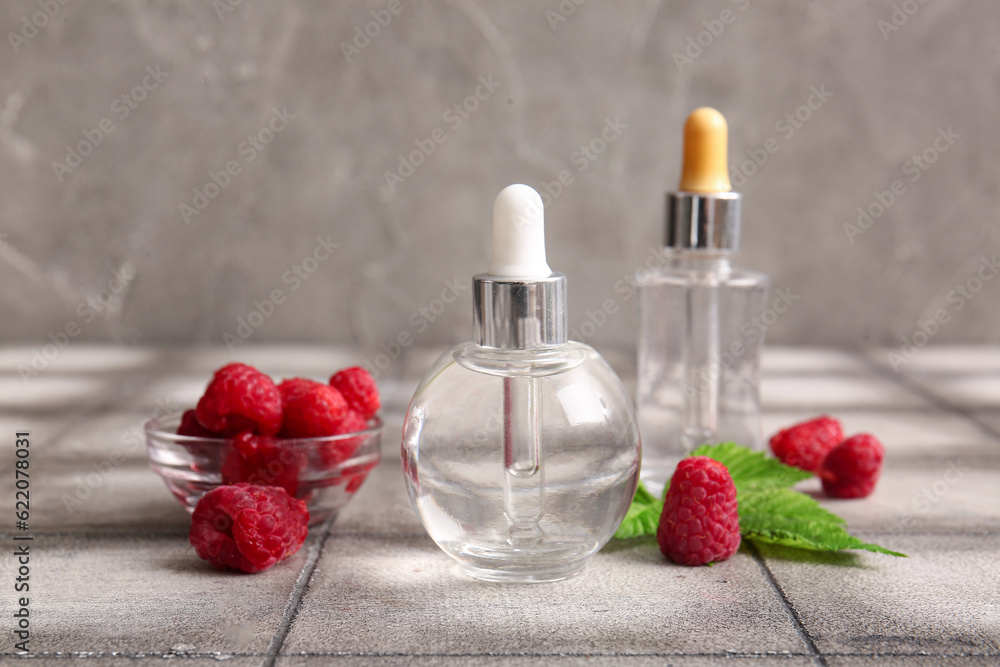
(699, 316)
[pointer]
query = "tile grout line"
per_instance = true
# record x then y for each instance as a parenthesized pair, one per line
(588, 655)
(843, 409)
(125, 534)
(298, 592)
(625, 656)
(146, 655)
(973, 531)
(914, 387)
(800, 628)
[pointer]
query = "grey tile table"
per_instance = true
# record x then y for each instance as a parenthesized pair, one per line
(114, 581)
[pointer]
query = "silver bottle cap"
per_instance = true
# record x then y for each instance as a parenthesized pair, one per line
(519, 314)
(703, 221)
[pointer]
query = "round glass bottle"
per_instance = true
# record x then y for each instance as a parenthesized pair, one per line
(506, 499)
(520, 449)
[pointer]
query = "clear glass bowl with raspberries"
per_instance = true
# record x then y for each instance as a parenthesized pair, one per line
(318, 441)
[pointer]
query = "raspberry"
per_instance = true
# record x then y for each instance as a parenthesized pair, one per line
(240, 398)
(805, 445)
(190, 426)
(357, 477)
(312, 409)
(851, 469)
(353, 422)
(263, 460)
(248, 528)
(360, 390)
(699, 523)
(204, 455)
(337, 451)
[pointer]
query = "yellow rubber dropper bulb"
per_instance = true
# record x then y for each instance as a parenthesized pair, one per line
(705, 168)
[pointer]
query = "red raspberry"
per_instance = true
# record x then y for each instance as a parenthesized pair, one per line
(805, 445)
(357, 477)
(699, 523)
(190, 426)
(337, 451)
(240, 398)
(359, 388)
(312, 409)
(248, 528)
(263, 460)
(204, 455)
(353, 422)
(851, 469)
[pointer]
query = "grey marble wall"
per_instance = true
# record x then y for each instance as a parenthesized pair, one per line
(169, 169)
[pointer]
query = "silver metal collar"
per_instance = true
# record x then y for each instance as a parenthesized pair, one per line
(514, 314)
(703, 220)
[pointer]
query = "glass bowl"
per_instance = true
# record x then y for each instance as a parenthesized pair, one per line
(324, 472)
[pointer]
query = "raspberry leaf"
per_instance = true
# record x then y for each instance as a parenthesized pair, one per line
(793, 519)
(642, 495)
(750, 470)
(643, 515)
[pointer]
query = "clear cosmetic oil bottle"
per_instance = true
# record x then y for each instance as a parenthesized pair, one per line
(521, 448)
(699, 316)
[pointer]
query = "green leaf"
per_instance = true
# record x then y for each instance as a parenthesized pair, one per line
(643, 515)
(790, 518)
(642, 495)
(750, 470)
(770, 512)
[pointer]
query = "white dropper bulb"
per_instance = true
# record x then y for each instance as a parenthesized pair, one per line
(519, 234)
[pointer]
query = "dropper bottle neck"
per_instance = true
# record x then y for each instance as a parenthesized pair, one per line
(715, 261)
